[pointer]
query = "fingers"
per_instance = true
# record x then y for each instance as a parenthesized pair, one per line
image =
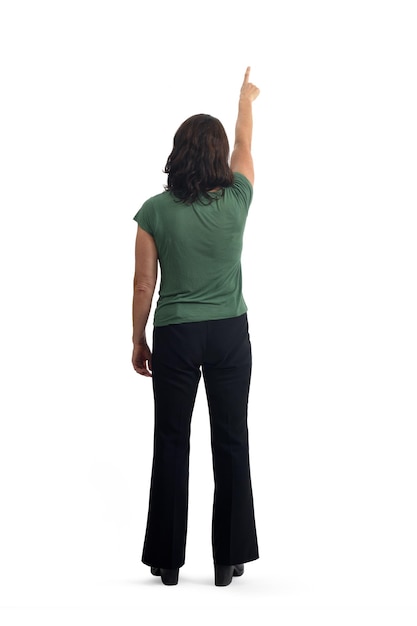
(142, 367)
(248, 90)
(143, 370)
(142, 360)
(146, 368)
(246, 79)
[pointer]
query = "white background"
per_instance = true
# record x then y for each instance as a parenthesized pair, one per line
(92, 93)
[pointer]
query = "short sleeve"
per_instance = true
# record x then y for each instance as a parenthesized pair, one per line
(242, 190)
(144, 217)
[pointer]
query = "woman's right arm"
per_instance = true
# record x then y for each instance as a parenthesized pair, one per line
(241, 159)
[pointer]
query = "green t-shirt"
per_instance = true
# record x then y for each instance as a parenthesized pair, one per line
(199, 250)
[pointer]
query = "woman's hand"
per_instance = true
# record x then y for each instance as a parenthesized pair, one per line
(248, 90)
(142, 359)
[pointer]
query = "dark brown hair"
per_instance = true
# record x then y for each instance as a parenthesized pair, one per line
(199, 161)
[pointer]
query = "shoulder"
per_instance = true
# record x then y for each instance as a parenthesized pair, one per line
(240, 181)
(241, 190)
(151, 207)
(145, 217)
(159, 199)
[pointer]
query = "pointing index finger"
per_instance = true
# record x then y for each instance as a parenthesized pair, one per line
(246, 79)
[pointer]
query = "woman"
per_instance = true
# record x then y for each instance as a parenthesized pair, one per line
(194, 229)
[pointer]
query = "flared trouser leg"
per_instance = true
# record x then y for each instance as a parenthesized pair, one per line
(227, 377)
(175, 383)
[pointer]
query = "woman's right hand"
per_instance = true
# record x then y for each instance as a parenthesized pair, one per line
(248, 90)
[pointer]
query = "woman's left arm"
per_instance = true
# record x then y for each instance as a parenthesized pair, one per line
(146, 272)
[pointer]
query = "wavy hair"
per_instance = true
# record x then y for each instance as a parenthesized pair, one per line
(199, 161)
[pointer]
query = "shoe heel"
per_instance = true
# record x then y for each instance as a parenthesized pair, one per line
(239, 569)
(223, 575)
(169, 576)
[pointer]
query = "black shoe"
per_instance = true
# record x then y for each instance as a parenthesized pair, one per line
(168, 576)
(223, 574)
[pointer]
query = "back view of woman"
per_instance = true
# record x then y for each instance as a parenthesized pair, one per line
(194, 230)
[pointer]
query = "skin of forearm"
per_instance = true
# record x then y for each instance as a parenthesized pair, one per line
(142, 301)
(244, 123)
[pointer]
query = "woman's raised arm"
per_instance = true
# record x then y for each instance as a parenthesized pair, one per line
(241, 160)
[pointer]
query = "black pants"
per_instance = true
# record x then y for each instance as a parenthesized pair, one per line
(222, 349)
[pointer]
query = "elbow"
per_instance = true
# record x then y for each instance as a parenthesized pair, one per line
(242, 145)
(144, 286)
(143, 289)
